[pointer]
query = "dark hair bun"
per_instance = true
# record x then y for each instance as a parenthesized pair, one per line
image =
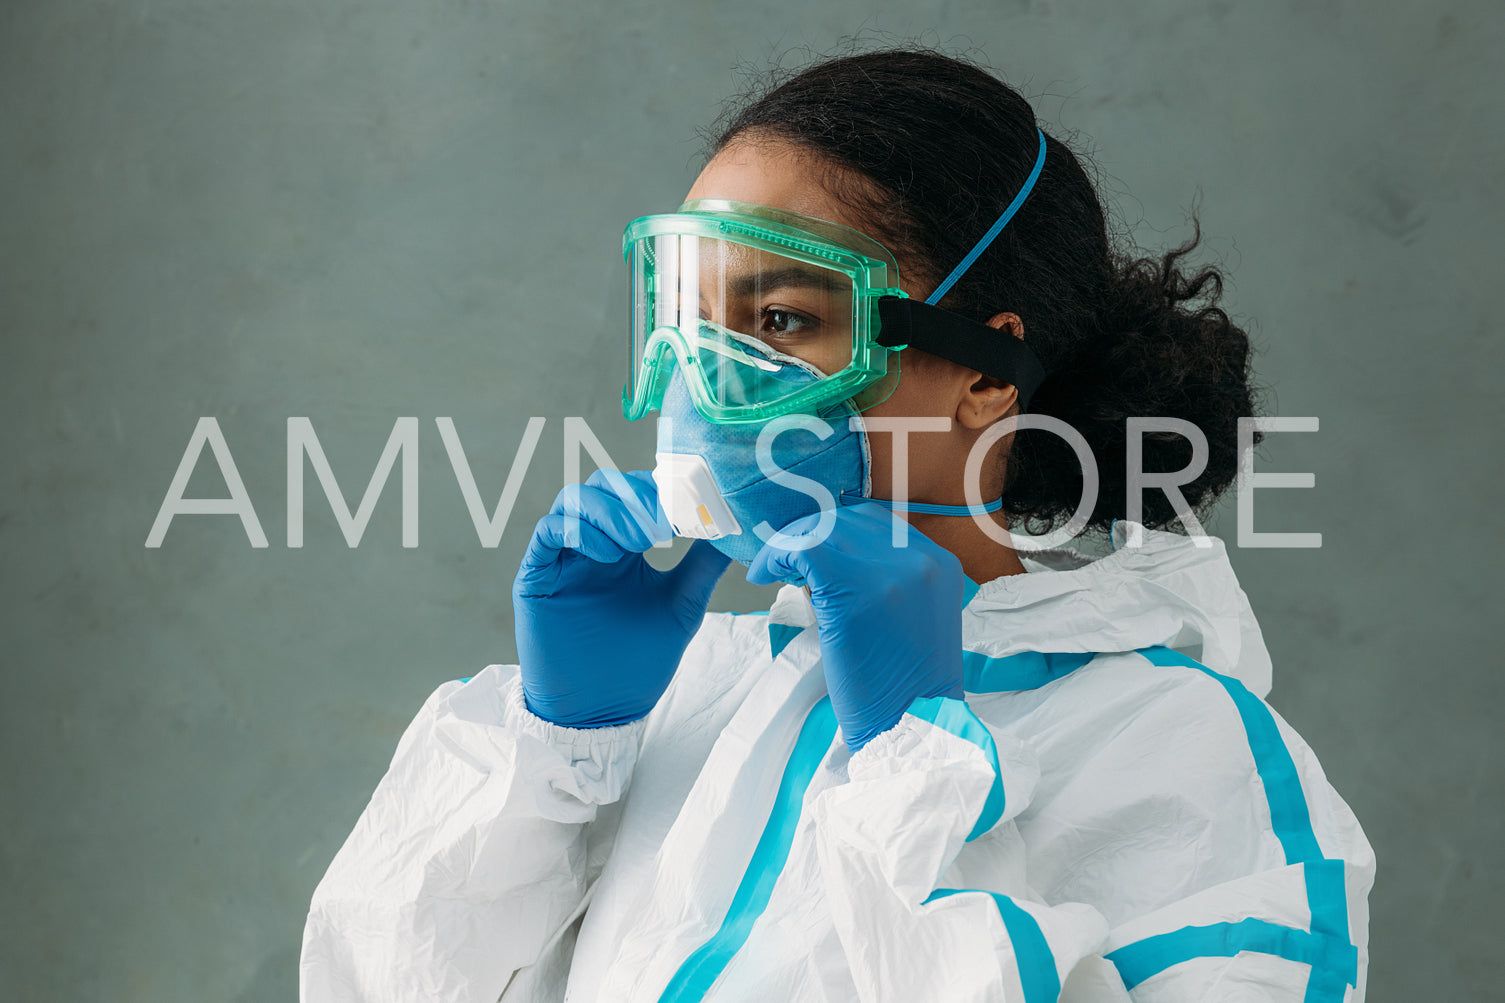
(1162, 348)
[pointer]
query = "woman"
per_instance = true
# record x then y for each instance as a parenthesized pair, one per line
(985, 773)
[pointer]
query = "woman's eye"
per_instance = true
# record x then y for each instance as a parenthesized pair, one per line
(777, 321)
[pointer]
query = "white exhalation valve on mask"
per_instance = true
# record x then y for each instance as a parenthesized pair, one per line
(690, 498)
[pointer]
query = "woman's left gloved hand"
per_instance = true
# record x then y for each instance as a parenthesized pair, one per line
(890, 618)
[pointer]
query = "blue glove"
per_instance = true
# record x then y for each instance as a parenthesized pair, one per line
(890, 619)
(599, 630)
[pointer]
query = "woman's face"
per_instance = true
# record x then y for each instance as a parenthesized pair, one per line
(775, 173)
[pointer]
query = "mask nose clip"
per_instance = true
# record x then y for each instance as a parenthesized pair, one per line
(690, 498)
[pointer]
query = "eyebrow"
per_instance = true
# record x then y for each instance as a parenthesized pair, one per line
(782, 278)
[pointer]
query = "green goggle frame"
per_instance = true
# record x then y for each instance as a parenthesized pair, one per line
(732, 376)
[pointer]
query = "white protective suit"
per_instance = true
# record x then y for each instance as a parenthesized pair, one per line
(1114, 813)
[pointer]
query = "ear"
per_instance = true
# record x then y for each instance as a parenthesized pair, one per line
(987, 398)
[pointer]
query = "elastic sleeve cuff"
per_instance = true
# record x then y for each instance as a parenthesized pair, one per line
(928, 731)
(595, 763)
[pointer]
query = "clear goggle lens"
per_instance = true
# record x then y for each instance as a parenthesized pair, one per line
(749, 322)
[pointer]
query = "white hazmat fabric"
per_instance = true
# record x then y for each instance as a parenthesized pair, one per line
(1161, 835)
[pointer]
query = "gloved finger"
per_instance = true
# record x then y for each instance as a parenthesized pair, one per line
(932, 565)
(639, 493)
(606, 511)
(696, 574)
(885, 526)
(646, 489)
(819, 547)
(871, 515)
(870, 510)
(788, 553)
(557, 532)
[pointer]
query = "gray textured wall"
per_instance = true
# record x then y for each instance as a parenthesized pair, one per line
(360, 211)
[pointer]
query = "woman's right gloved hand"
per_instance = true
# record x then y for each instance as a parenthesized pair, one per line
(599, 630)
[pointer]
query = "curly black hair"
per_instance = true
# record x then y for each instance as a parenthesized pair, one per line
(929, 148)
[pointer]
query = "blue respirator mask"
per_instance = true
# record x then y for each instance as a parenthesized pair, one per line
(761, 335)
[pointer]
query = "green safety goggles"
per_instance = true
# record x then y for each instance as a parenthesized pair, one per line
(732, 295)
(766, 312)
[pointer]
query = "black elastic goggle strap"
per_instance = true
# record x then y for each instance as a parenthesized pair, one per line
(970, 343)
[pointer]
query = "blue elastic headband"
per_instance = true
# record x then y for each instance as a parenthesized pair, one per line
(994, 230)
